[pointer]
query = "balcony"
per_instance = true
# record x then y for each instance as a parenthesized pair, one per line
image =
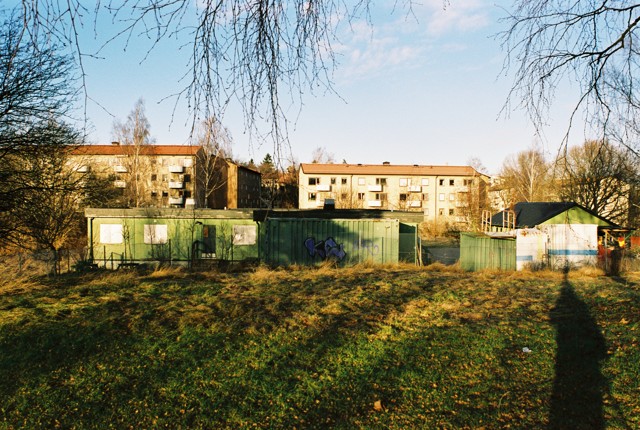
(176, 200)
(176, 185)
(415, 204)
(120, 169)
(415, 189)
(176, 169)
(83, 169)
(375, 203)
(375, 188)
(119, 184)
(325, 187)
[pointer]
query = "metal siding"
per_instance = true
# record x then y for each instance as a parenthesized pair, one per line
(350, 241)
(479, 252)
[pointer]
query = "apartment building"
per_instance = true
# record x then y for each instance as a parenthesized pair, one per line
(446, 193)
(170, 176)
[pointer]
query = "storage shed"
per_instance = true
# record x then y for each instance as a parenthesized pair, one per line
(558, 234)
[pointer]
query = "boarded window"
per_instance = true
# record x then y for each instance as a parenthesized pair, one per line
(111, 233)
(244, 234)
(155, 233)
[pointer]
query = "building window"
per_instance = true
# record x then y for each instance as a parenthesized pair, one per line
(381, 196)
(333, 181)
(360, 196)
(164, 178)
(452, 197)
(403, 197)
(468, 182)
(343, 196)
(187, 178)
(451, 212)
(312, 196)
(403, 182)
(425, 197)
(452, 182)
(441, 197)
(381, 181)
(154, 177)
(314, 181)
(441, 182)
(361, 181)
(425, 182)
(343, 181)
(440, 211)
(165, 194)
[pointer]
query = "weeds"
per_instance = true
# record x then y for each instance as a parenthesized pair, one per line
(362, 347)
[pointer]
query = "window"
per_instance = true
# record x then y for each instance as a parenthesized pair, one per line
(154, 194)
(187, 178)
(381, 181)
(440, 211)
(403, 182)
(441, 182)
(314, 181)
(312, 196)
(360, 196)
(451, 212)
(343, 196)
(111, 233)
(155, 233)
(333, 181)
(441, 197)
(468, 182)
(361, 181)
(165, 194)
(452, 182)
(424, 182)
(164, 178)
(343, 181)
(154, 177)
(425, 197)
(403, 197)
(381, 196)
(452, 197)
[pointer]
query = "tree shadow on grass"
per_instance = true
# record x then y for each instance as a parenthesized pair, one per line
(579, 385)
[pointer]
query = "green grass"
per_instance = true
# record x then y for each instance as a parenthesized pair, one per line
(367, 347)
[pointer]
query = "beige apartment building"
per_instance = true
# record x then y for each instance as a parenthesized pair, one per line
(170, 176)
(443, 193)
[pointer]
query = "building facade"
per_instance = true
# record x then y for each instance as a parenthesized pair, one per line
(170, 176)
(443, 193)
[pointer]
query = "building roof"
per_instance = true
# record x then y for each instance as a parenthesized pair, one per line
(146, 150)
(531, 214)
(388, 169)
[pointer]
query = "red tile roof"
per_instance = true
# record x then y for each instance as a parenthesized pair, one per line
(388, 169)
(146, 150)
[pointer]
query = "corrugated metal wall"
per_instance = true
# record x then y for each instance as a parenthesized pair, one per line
(479, 251)
(348, 241)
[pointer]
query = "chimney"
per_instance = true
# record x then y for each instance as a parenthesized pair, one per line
(115, 143)
(386, 163)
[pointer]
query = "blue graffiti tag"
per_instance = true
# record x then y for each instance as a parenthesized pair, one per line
(325, 249)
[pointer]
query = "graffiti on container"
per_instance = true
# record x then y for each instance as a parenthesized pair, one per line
(367, 246)
(325, 249)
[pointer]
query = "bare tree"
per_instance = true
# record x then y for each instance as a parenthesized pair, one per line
(53, 195)
(211, 161)
(600, 177)
(134, 137)
(36, 84)
(320, 155)
(589, 42)
(525, 177)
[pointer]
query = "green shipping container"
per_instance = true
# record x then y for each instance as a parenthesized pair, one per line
(479, 251)
(303, 241)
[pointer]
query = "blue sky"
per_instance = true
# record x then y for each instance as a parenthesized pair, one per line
(412, 89)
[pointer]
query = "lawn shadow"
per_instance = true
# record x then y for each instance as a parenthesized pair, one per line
(579, 385)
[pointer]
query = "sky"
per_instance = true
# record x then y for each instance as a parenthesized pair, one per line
(424, 88)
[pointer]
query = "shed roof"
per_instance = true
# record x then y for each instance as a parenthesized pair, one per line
(388, 169)
(530, 214)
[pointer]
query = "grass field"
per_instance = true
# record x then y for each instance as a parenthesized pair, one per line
(365, 347)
